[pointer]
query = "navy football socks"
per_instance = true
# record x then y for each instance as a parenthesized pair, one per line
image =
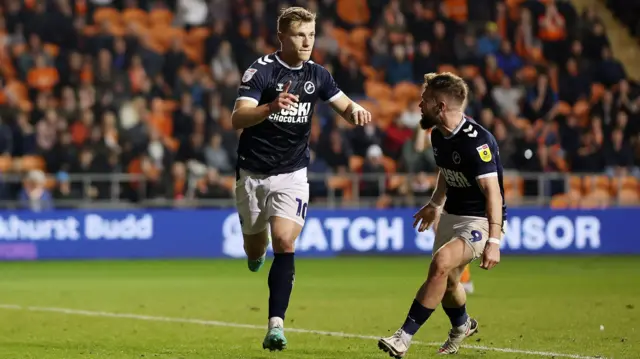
(280, 282)
(417, 316)
(457, 316)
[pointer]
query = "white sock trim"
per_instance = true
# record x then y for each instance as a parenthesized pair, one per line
(276, 322)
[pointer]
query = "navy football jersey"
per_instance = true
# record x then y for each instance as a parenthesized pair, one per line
(280, 144)
(470, 153)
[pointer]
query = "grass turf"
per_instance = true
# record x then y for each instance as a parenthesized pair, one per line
(548, 304)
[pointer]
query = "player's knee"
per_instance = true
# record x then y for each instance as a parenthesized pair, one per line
(283, 244)
(283, 234)
(442, 264)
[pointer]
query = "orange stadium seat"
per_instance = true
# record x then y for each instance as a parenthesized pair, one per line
(30, 162)
(624, 183)
(594, 183)
(469, 71)
(628, 197)
(560, 201)
(377, 90)
(406, 92)
(353, 12)
(448, 68)
(6, 164)
(161, 16)
(575, 184)
(135, 15)
(106, 14)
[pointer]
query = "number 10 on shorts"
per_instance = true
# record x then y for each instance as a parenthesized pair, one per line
(302, 209)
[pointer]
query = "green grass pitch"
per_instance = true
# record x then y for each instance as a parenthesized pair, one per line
(528, 307)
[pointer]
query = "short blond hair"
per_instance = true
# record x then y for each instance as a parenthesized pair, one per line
(447, 84)
(292, 15)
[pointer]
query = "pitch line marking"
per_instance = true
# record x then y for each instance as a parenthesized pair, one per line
(217, 323)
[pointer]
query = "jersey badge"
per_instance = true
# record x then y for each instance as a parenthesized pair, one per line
(309, 87)
(456, 158)
(484, 152)
(248, 75)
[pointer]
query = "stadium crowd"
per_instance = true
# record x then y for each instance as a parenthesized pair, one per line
(146, 87)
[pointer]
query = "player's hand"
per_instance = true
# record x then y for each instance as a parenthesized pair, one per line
(425, 217)
(491, 256)
(360, 117)
(284, 101)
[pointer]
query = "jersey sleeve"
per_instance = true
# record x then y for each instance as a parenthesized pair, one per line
(485, 162)
(251, 86)
(329, 90)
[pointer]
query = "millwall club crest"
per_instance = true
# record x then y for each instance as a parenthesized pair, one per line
(309, 87)
(456, 157)
(248, 75)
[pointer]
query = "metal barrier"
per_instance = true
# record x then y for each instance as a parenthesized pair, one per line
(123, 190)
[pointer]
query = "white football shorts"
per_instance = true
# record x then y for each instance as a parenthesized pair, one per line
(260, 197)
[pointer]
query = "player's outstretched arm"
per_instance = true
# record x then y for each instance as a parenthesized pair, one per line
(491, 189)
(351, 111)
(247, 113)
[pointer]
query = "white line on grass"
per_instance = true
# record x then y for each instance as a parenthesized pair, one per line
(216, 323)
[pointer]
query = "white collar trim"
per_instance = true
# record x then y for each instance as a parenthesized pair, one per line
(457, 129)
(286, 65)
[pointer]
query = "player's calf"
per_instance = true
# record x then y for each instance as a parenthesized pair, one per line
(281, 277)
(255, 246)
(446, 260)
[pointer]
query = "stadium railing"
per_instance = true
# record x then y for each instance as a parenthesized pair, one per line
(558, 190)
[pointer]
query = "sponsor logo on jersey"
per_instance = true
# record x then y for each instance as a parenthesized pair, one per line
(484, 152)
(248, 75)
(299, 113)
(455, 178)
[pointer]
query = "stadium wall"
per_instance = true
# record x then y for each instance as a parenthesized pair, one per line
(215, 233)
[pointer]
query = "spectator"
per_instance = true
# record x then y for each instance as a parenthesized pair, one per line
(541, 99)
(611, 71)
(424, 62)
(619, 157)
(400, 68)
(507, 98)
(33, 195)
(508, 62)
(216, 156)
(489, 43)
(370, 186)
(573, 85)
(94, 97)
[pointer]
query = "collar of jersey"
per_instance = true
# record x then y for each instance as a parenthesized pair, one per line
(285, 64)
(457, 129)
